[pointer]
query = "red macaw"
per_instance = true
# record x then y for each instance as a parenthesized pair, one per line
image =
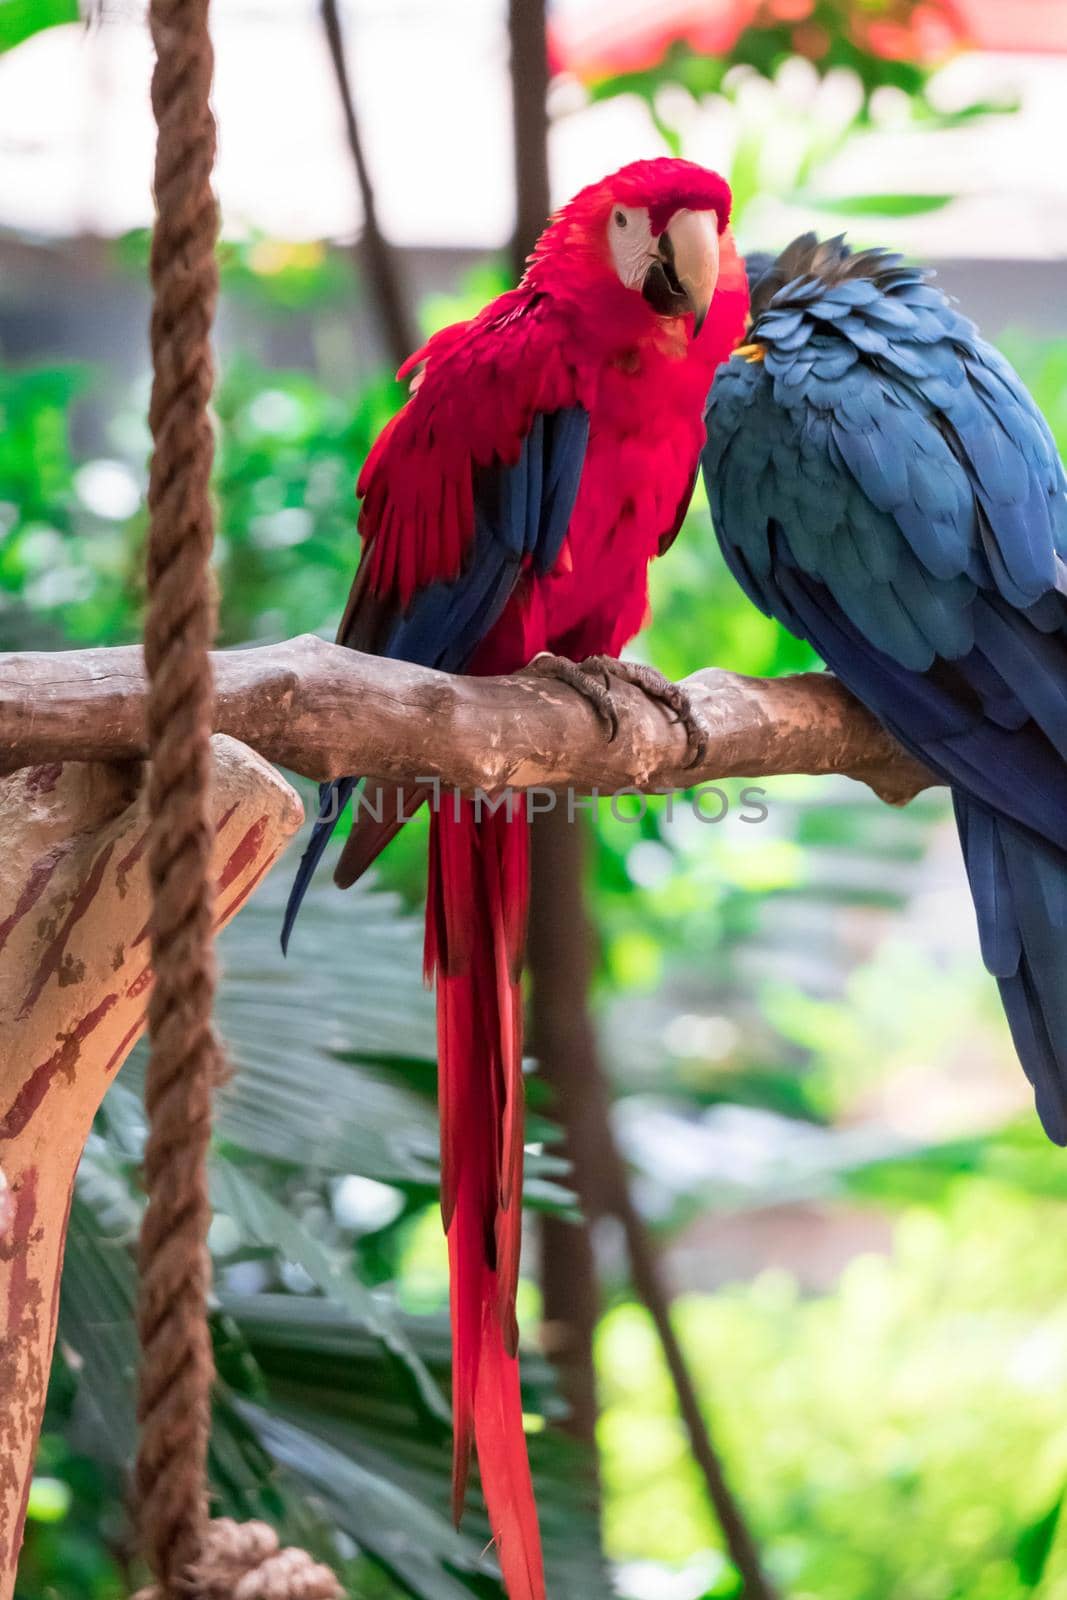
(510, 511)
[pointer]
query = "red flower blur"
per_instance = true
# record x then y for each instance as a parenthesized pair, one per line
(622, 36)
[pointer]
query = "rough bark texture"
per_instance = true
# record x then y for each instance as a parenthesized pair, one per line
(326, 711)
(74, 983)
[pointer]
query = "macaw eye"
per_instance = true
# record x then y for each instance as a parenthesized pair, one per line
(620, 219)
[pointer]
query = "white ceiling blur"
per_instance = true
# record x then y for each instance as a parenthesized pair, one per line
(431, 86)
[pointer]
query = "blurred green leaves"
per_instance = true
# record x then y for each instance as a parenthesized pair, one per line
(62, 569)
(71, 532)
(288, 458)
(832, 35)
(897, 1436)
(875, 205)
(21, 19)
(1034, 1545)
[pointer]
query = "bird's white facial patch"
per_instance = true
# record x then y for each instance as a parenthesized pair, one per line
(632, 244)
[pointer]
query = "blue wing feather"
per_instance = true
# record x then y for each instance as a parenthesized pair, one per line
(521, 513)
(883, 484)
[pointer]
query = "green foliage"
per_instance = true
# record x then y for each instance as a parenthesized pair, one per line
(289, 452)
(271, 278)
(896, 1438)
(1034, 1546)
(21, 19)
(1043, 367)
(71, 534)
(289, 455)
(64, 569)
(828, 35)
(876, 205)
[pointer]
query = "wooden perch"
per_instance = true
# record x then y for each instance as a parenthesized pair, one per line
(74, 898)
(325, 711)
(74, 978)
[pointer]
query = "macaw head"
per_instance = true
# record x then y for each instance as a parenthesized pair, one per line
(656, 227)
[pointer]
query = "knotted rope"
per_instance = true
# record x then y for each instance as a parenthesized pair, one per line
(242, 1561)
(189, 1555)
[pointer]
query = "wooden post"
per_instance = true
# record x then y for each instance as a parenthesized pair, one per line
(74, 979)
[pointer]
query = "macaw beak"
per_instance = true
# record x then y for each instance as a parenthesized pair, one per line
(694, 236)
(683, 276)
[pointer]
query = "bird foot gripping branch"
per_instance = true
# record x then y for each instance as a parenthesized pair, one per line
(593, 677)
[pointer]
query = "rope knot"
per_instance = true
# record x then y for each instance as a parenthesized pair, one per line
(243, 1561)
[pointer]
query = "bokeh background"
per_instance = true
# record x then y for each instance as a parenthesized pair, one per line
(782, 1027)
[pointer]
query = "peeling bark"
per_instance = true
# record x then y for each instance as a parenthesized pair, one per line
(74, 980)
(326, 711)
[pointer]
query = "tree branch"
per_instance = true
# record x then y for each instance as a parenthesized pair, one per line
(324, 711)
(650, 1281)
(529, 113)
(401, 332)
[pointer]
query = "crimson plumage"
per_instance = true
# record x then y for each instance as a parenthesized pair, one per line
(546, 455)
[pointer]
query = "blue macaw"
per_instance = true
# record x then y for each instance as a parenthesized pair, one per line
(882, 483)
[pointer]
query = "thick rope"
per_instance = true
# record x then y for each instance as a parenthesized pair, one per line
(242, 1561)
(188, 1555)
(177, 1368)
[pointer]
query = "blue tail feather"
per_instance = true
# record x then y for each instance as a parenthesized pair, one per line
(1019, 887)
(333, 797)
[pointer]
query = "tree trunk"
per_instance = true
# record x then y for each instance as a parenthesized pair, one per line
(399, 328)
(529, 115)
(74, 979)
(564, 1045)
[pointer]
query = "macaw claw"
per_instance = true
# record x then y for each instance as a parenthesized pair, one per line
(664, 692)
(596, 690)
(592, 678)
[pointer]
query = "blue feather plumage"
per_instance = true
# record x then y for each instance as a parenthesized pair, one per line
(881, 481)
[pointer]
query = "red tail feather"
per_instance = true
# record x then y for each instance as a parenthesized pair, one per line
(475, 924)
